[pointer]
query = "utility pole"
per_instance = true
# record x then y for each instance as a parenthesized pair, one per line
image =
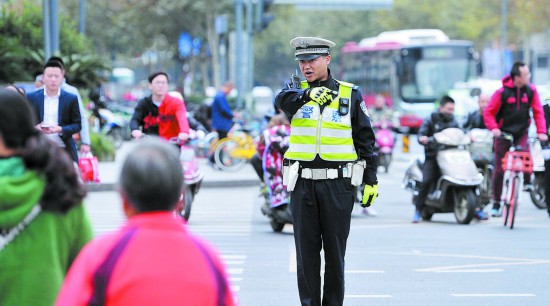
(221, 31)
(238, 50)
(82, 19)
(54, 27)
(46, 28)
(250, 52)
(504, 30)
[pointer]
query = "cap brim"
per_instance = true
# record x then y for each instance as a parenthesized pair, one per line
(306, 57)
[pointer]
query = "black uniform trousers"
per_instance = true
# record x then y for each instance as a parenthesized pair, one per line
(430, 174)
(321, 214)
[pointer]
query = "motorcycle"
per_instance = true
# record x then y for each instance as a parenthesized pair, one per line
(110, 124)
(457, 189)
(537, 194)
(277, 200)
(192, 176)
(481, 149)
(385, 142)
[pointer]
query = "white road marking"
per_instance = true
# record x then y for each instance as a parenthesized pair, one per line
(235, 289)
(519, 262)
(233, 262)
(470, 268)
(229, 257)
(367, 296)
(234, 271)
(470, 271)
(493, 294)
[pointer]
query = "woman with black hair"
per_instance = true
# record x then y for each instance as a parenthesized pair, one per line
(43, 224)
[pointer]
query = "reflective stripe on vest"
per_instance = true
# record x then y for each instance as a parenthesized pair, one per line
(327, 134)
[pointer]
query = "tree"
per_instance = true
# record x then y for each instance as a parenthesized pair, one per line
(22, 44)
(130, 28)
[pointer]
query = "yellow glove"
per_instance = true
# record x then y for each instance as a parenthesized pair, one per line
(370, 193)
(322, 95)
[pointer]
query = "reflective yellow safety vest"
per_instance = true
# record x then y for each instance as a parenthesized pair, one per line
(327, 134)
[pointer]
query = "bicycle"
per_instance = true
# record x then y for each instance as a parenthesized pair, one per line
(234, 151)
(516, 164)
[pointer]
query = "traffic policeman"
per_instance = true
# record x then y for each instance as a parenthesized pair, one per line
(331, 152)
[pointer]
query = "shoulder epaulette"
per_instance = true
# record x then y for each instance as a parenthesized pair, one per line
(351, 85)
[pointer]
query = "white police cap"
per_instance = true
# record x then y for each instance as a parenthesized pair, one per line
(308, 48)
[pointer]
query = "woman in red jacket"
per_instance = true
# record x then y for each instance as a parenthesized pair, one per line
(153, 259)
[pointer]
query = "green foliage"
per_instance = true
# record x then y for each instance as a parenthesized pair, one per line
(11, 52)
(102, 147)
(22, 45)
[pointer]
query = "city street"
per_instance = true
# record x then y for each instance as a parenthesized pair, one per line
(389, 261)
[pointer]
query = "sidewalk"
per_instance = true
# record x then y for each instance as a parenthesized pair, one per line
(109, 173)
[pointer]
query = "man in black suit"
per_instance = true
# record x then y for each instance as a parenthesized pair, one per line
(57, 113)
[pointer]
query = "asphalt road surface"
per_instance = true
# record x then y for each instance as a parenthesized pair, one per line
(389, 260)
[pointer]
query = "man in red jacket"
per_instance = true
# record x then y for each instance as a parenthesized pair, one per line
(153, 259)
(160, 114)
(508, 111)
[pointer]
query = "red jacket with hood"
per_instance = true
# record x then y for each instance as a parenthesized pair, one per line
(509, 108)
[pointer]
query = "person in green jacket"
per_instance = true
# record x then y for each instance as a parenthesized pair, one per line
(43, 224)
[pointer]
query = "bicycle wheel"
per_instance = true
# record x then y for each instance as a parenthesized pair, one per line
(505, 186)
(225, 159)
(511, 203)
(514, 202)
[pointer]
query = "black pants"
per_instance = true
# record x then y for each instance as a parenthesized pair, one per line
(321, 214)
(547, 183)
(430, 174)
(256, 162)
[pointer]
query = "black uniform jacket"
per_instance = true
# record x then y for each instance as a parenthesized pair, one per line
(290, 100)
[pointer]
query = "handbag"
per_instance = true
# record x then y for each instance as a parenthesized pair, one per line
(88, 166)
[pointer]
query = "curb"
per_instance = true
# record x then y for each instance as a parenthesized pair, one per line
(205, 184)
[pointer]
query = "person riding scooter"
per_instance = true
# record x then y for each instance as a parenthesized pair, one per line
(441, 119)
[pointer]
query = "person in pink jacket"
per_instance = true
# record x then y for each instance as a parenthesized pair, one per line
(153, 259)
(508, 111)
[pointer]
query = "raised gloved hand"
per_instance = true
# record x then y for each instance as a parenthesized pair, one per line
(321, 95)
(370, 193)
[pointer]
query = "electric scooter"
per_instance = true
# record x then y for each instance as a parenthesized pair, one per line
(457, 189)
(385, 141)
(192, 175)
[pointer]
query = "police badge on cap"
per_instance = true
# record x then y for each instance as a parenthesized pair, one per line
(308, 48)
